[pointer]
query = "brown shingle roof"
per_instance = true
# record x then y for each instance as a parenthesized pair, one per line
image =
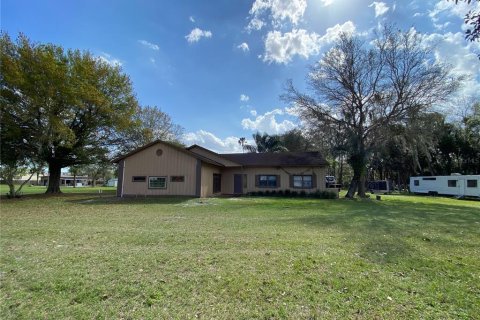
(281, 159)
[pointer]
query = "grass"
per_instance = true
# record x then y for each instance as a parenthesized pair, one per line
(27, 190)
(82, 256)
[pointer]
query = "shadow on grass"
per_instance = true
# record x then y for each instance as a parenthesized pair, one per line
(106, 200)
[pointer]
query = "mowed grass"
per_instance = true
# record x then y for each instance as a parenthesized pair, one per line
(27, 189)
(92, 256)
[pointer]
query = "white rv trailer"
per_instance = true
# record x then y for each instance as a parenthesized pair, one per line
(453, 185)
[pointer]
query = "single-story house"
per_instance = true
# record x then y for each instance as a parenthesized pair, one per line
(67, 181)
(162, 168)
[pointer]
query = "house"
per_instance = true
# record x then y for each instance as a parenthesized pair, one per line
(67, 181)
(162, 168)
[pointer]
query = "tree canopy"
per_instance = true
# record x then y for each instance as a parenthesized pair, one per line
(68, 104)
(359, 88)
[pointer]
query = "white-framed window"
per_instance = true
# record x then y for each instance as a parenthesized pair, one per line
(303, 181)
(452, 183)
(267, 181)
(472, 183)
(157, 182)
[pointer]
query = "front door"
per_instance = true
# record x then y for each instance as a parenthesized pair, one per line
(217, 183)
(237, 184)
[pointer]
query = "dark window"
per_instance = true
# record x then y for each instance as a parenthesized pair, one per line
(157, 182)
(430, 179)
(217, 183)
(139, 179)
(472, 183)
(245, 181)
(267, 181)
(416, 182)
(302, 182)
(452, 183)
(177, 179)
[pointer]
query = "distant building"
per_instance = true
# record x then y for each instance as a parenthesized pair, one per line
(67, 181)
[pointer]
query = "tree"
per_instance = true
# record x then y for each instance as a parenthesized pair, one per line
(358, 89)
(149, 124)
(265, 143)
(472, 18)
(69, 104)
(294, 141)
(242, 142)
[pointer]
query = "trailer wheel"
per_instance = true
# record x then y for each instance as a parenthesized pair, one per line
(433, 193)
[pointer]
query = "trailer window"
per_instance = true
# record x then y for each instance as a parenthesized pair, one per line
(472, 183)
(430, 179)
(452, 183)
(416, 182)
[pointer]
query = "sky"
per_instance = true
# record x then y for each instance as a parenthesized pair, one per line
(218, 67)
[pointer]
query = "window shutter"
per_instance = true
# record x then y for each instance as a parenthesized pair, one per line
(314, 180)
(257, 180)
(279, 184)
(291, 180)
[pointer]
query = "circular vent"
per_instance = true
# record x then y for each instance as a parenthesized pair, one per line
(159, 152)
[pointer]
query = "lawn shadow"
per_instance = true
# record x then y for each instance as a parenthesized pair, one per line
(114, 200)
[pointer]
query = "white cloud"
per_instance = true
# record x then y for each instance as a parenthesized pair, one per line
(244, 97)
(459, 53)
(449, 8)
(253, 112)
(268, 123)
(280, 48)
(196, 34)
(279, 11)
(255, 24)
(192, 19)
(380, 8)
(210, 141)
(149, 45)
(152, 60)
(107, 58)
(326, 3)
(244, 46)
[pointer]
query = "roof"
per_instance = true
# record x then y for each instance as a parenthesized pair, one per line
(213, 155)
(281, 159)
(174, 146)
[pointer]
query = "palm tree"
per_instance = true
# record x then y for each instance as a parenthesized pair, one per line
(242, 141)
(266, 143)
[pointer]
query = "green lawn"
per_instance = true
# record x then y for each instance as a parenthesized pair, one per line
(83, 256)
(26, 190)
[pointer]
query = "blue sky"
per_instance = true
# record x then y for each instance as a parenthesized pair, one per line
(218, 67)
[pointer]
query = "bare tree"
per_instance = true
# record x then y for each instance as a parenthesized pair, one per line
(359, 88)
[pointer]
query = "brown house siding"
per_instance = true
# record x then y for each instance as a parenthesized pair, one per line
(147, 163)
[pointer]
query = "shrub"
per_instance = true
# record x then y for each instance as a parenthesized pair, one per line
(294, 193)
(302, 194)
(280, 193)
(287, 193)
(274, 193)
(260, 193)
(267, 193)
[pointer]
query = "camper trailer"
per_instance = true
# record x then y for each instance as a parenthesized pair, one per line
(453, 185)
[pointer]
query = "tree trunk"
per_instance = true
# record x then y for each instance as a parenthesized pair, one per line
(359, 166)
(54, 171)
(11, 187)
(74, 180)
(340, 174)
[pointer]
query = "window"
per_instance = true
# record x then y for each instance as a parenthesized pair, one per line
(177, 179)
(452, 183)
(266, 181)
(472, 183)
(302, 182)
(139, 179)
(157, 182)
(430, 179)
(416, 182)
(245, 181)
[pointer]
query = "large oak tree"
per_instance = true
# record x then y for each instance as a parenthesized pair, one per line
(68, 104)
(359, 88)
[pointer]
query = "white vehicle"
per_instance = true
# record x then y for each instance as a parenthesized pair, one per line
(380, 186)
(453, 185)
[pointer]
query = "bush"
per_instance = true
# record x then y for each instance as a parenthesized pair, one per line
(294, 193)
(302, 194)
(287, 193)
(280, 193)
(260, 193)
(267, 193)
(273, 193)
